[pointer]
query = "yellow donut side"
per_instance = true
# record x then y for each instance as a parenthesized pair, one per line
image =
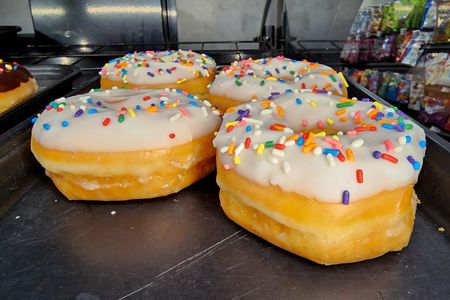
(326, 233)
(197, 86)
(13, 97)
(127, 175)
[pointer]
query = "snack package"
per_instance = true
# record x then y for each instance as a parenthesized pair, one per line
(363, 79)
(414, 50)
(373, 80)
(350, 51)
(375, 20)
(399, 17)
(385, 79)
(361, 24)
(404, 87)
(392, 87)
(358, 75)
(375, 53)
(388, 48)
(416, 93)
(366, 48)
(437, 69)
(387, 22)
(345, 54)
(405, 41)
(429, 16)
(353, 57)
(417, 14)
(436, 106)
(403, 14)
(442, 28)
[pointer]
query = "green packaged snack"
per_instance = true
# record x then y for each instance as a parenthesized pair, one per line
(403, 14)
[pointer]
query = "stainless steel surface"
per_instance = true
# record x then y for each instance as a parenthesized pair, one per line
(321, 19)
(86, 22)
(169, 19)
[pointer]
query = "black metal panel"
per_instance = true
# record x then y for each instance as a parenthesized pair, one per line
(87, 22)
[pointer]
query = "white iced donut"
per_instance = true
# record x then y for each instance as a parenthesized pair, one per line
(326, 177)
(124, 144)
(267, 77)
(183, 70)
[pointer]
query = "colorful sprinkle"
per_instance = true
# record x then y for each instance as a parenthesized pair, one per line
(376, 154)
(350, 155)
(78, 113)
(389, 158)
(359, 176)
(346, 197)
(344, 104)
(389, 146)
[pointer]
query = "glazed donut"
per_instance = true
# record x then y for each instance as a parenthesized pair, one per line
(326, 177)
(16, 85)
(267, 77)
(182, 70)
(125, 144)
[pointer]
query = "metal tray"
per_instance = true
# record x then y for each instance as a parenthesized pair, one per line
(53, 81)
(183, 246)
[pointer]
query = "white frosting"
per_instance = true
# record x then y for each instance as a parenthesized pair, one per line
(259, 79)
(140, 129)
(314, 174)
(152, 67)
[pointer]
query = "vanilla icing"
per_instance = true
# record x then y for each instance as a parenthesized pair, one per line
(152, 67)
(124, 120)
(263, 78)
(281, 126)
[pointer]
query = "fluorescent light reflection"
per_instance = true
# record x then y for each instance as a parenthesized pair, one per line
(122, 9)
(48, 11)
